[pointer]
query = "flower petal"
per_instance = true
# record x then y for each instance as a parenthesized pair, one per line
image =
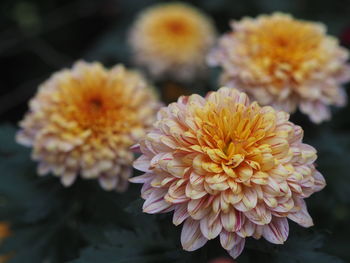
(155, 203)
(229, 239)
(210, 231)
(191, 235)
(142, 163)
(277, 231)
(237, 248)
(302, 217)
(180, 214)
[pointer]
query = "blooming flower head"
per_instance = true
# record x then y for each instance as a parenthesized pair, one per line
(83, 121)
(227, 168)
(172, 40)
(284, 62)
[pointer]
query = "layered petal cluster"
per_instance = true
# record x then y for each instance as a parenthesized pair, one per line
(227, 168)
(284, 62)
(83, 121)
(172, 40)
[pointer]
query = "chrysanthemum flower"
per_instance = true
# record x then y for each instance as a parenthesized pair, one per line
(172, 40)
(284, 62)
(83, 121)
(228, 168)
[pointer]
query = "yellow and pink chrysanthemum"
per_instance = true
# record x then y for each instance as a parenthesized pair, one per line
(227, 168)
(284, 62)
(83, 121)
(172, 40)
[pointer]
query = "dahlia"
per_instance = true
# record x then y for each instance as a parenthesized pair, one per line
(227, 168)
(284, 62)
(83, 121)
(172, 40)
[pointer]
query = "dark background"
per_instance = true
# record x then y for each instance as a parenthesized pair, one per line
(40, 37)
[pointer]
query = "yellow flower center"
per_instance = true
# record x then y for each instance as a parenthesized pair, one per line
(238, 142)
(99, 102)
(177, 27)
(287, 49)
(170, 27)
(95, 107)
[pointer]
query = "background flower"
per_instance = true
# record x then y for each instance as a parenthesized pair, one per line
(227, 168)
(172, 40)
(284, 62)
(4, 233)
(83, 121)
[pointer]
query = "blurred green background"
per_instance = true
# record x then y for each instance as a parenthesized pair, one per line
(40, 37)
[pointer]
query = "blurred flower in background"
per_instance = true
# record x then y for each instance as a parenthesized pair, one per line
(83, 121)
(286, 63)
(172, 40)
(4, 233)
(222, 260)
(227, 167)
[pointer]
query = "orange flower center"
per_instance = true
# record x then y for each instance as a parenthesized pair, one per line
(286, 49)
(177, 27)
(99, 106)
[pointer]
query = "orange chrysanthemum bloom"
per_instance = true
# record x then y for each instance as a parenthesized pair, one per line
(172, 40)
(83, 121)
(227, 167)
(284, 62)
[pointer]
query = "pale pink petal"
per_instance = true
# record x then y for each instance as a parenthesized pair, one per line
(233, 220)
(259, 215)
(195, 192)
(210, 231)
(197, 208)
(191, 235)
(247, 229)
(68, 179)
(250, 198)
(237, 248)
(302, 217)
(258, 232)
(146, 190)
(277, 231)
(142, 178)
(320, 182)
(229, 239)
(142, 163)
(155, 203)
(180, 214)
(135, 148)
(176, 193)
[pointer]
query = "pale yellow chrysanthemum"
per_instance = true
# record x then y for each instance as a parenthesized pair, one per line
(172, 40)
(284, 62)
(4, 233)
(83, 121)
(227, 168)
